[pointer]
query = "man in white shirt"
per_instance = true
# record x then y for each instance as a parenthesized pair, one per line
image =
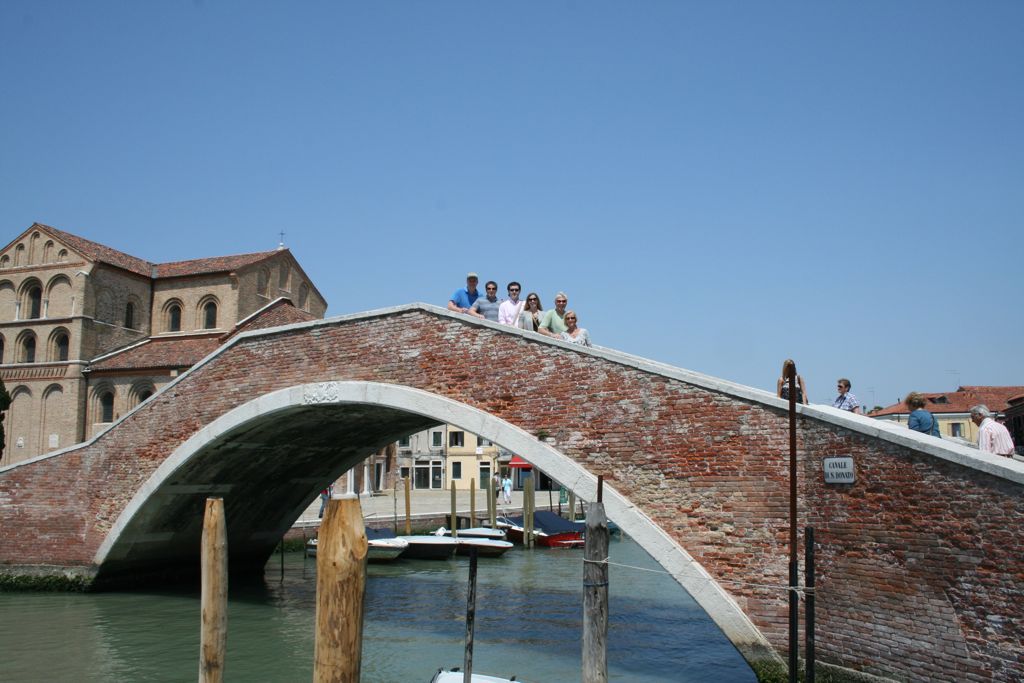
(992, 436)
(511, 308)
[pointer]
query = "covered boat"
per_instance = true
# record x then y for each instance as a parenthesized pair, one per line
(549, 530)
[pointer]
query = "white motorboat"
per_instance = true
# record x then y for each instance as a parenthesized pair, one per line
(475, 532)
(456, 676)
(378, 549)
(485, 547)
(429, 547)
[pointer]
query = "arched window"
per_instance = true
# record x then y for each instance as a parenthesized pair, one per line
(140, 392)
(60, 346)
(174, 318)
(48, 251)
(262, 282)
(28, 349)
(304, 296)
(5, 261)
(19, 255)
(210, 315)
(282, 281)
(33, 248)
(62, 255)
(107, 406)
(129, 315)
(35, 302)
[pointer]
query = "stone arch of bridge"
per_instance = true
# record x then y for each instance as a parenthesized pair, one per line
(161, 523)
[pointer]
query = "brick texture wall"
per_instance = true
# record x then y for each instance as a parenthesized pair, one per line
(919, 562)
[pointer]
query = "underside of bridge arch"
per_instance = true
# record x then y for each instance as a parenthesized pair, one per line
(267, 470)
(270, 457)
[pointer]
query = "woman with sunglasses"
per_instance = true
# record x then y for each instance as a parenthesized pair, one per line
(573, 334)
(530, 319)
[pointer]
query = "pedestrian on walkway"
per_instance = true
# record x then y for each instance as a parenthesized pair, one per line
(506, 487)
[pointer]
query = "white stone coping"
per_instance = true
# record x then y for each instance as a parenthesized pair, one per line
(998, 466)
(719, 605)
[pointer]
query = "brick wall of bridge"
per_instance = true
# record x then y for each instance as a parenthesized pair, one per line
(919, 562)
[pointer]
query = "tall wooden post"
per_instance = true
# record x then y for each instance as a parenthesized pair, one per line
(789, 370)
(472, 502)
(408, 509)
(340, 584)
(528, 539)
(213, 638)
(455, 519)
(572, 506)
(467, 660)
(595, 596)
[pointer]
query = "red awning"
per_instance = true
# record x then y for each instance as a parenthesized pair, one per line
(516, 461)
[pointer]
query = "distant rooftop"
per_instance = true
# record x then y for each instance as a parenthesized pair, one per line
(959, 401)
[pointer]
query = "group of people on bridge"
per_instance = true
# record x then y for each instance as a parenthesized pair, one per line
(993, 437)
(524, 314)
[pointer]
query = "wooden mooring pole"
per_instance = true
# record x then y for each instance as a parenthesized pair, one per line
(528, 513)
(408, 509)
(213, 639)
(472, 502)
(467, 660)
(595, 596)
(455, 519)
(340, 585)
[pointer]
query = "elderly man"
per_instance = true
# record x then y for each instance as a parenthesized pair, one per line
(992, 436)
(464, 297)
(552, 323)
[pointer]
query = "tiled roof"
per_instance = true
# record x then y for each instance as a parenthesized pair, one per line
(98, 252)
(959, 401)
(216, 264)
(279, 312)
(185, 351)
(160, 352)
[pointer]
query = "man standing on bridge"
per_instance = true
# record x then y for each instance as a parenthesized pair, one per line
(487, 306)
(992, 436)
(552, 323)
(464, 297)
(845, 400)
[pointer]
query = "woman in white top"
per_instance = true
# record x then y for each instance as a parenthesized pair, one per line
(573, 334)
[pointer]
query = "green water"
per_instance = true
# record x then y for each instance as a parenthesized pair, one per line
(528, 624)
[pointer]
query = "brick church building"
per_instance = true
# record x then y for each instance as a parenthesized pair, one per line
(88, 332)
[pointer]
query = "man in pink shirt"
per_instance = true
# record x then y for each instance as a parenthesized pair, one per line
(992, 436)
(511, 308)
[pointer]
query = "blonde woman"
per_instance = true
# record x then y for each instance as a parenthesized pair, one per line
(574, 334)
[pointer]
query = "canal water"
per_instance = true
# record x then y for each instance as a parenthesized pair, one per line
(529, 606)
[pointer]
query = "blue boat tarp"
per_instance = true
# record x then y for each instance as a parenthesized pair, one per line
(550, 523)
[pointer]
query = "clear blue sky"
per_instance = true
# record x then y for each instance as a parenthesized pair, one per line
(717, 185)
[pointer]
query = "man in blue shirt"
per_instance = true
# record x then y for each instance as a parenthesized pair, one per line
(463, 298)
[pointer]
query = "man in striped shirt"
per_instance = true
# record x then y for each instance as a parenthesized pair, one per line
(992, 436)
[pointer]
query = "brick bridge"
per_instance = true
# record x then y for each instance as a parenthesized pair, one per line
(920, 561)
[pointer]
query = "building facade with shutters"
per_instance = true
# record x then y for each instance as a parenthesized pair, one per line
(88, 332)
